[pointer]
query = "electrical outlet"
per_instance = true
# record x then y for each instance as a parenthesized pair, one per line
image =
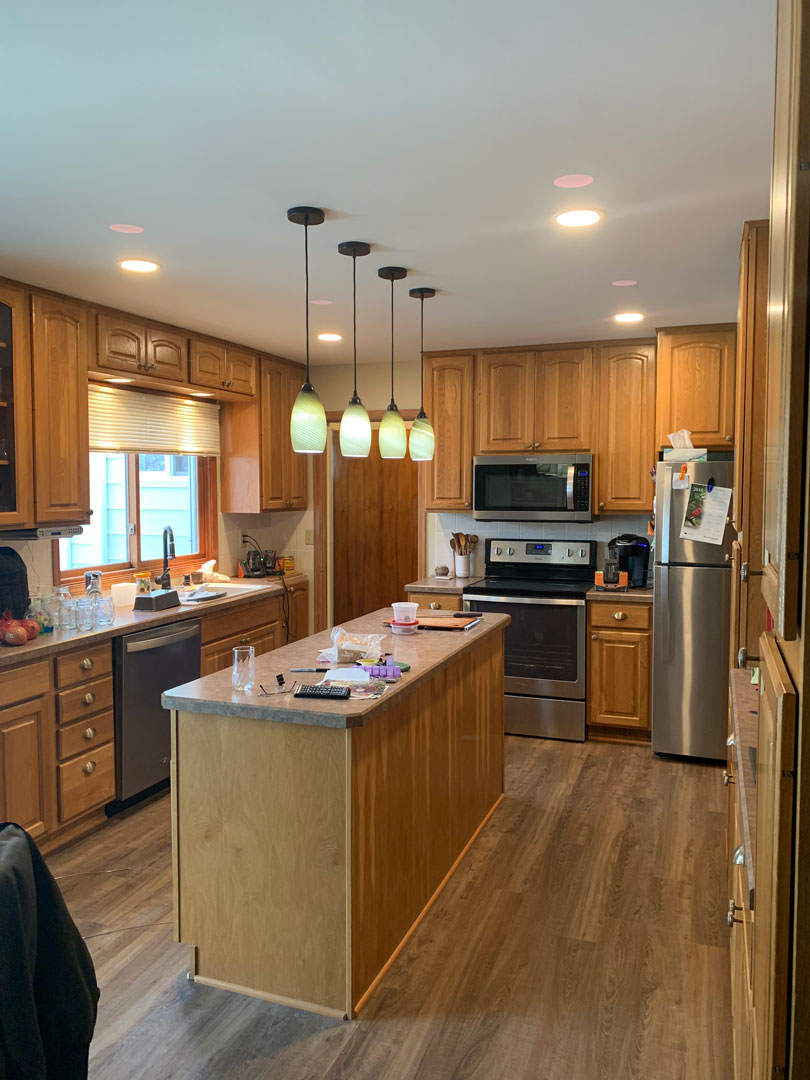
(309, 536)
(245, 538)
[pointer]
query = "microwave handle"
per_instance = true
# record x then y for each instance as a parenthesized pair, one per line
(569, 488)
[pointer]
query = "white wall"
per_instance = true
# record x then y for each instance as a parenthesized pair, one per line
(334, 385)
(440, 527)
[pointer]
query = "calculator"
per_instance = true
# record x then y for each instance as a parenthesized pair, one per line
(320, 690)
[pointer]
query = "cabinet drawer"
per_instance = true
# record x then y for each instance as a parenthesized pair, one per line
(84, 735)
(86, 782)
(83, 665)
(228, 623)
(85, 700)
(435, 601)
(618, 616)
(23, 683)
(219, 654)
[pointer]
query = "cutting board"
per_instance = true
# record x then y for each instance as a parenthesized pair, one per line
(443, 622)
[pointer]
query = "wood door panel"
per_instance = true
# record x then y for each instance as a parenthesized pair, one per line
(299, 612)
(696, 385)
(449, 405)
(375, 530)
(505, 402)
(121, 344)
(219, 655)
(84, 700)
(626, 428)
(86, 781)
(61, 441)
(240, 374)
(22, 783)
(618, 678)
(83, 665)
(207, 364)
(275, 435)
(564, 402)
(16, 493)
(167, 354)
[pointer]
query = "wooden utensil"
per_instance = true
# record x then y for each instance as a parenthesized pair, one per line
(462, 540)
(453, 544)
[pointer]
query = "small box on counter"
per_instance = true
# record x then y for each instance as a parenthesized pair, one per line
(285, 564)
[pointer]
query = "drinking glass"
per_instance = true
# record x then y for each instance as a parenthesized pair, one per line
(85, 613)
(242, 676)
(105, 611)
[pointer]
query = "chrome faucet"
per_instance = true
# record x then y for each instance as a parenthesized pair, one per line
(164, 580)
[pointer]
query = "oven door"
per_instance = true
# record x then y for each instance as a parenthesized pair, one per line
(544, 645)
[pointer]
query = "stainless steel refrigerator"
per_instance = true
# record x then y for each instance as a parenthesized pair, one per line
(690, 622)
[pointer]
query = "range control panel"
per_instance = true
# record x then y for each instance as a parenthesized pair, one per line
(542, 552)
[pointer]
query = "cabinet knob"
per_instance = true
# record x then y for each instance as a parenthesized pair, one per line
(594, 637)
(619, 616)
(727, 778)
(89, 698)
(727, 438)
(466, 504)
(732, 907)
(601, 506)
(730, 740)
(528, 446)
(537, 446)
(434, 606)
(86, 664)
(738, 858)
(89, 733)
(90, 767)
(89, 513)
(245, 640)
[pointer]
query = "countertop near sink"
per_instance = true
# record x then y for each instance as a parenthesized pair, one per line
(616, 596)
(127, 621)
(444, 586)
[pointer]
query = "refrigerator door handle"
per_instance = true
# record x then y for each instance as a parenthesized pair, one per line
(663, 600)
(666, 513)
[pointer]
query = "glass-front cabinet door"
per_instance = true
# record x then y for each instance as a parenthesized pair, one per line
(16, 476)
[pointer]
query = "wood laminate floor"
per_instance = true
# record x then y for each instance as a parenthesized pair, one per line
(582, 938)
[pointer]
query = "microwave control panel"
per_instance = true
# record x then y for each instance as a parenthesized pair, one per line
(542, 552)
(582, 487)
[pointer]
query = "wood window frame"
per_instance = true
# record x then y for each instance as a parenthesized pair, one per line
(207, 525)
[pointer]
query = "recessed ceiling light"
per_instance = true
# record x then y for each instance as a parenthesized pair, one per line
(200, 393)
(574, 218)
(320, 301)
(139, 266)
(330, 337)
(629, 316)
(126, 228)
(574, 179)
(624, 281)
(119, 380)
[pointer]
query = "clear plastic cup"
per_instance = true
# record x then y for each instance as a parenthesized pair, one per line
(242, 675)
(405, 612)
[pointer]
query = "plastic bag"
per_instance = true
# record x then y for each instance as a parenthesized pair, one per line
(348, 647)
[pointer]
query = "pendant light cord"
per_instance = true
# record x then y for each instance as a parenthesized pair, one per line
(306, 285)
(392, 342)
(354, 319)
(421, 354)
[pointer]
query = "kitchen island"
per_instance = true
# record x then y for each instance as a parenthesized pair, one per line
(310, 836)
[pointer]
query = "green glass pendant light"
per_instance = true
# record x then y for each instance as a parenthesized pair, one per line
(308, 419)
(421, 439)
(355, 426)
(393, 433)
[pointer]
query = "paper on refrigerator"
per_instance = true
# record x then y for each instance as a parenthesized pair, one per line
(706, 514)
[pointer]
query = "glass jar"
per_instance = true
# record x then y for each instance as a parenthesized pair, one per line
(37, 609)
(85, 613)
(105, 610)
(62, 608)
(143, 583)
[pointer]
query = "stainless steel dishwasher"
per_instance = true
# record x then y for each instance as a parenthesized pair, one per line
(147, 663)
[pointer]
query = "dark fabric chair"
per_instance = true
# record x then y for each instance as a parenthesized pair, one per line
(48, 990)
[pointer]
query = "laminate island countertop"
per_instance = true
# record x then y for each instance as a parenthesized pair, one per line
(442, 586)
(127, 621)
(307, 850)
(427, 652)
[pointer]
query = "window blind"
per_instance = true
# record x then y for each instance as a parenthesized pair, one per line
(125, 420)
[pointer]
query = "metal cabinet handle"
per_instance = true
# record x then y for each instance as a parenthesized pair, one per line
(537, 446)
(601, 506)
(90, 767)
(594, 637)
(245, 640)
(738, 858)
(434, 606)
(732, 908)
(619, 616)
(89, 733)
(743, 657)
(86, 664)
(730, 740)
(466, 504)
(746, 572)
(728, 438)
(528, 446)
(727, 778)
(89, 698)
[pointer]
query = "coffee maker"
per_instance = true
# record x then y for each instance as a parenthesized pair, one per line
(632, 554)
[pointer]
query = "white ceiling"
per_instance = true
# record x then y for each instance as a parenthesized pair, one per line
(432, 129)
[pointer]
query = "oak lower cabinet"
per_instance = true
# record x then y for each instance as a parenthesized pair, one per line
(26, 782)
(619, 666)
(695, 384)
(298, 607)
(449, 405)
(259, 623)
(434, 601)
(260, 469)
(16, 495)
(626, 443)
(60, 348)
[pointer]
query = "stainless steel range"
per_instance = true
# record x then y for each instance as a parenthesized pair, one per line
(542, 585)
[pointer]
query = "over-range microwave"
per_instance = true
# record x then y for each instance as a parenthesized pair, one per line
(533, 487)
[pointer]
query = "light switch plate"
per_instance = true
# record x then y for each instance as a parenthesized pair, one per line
(309, 536)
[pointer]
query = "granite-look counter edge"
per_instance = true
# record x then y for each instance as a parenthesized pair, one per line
(427, 651)
(632, 596)
(442, 586)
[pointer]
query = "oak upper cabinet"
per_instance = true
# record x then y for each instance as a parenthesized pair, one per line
(505, 402)
(296, 464)
(16, 495)
(619, 651)
(626, 443)
(275, 435)
(121, 344)
(240, 371)
(59, 353)
(449, 405)
(564, 400)
(696, 384)
(206, 363)
(166, 354)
